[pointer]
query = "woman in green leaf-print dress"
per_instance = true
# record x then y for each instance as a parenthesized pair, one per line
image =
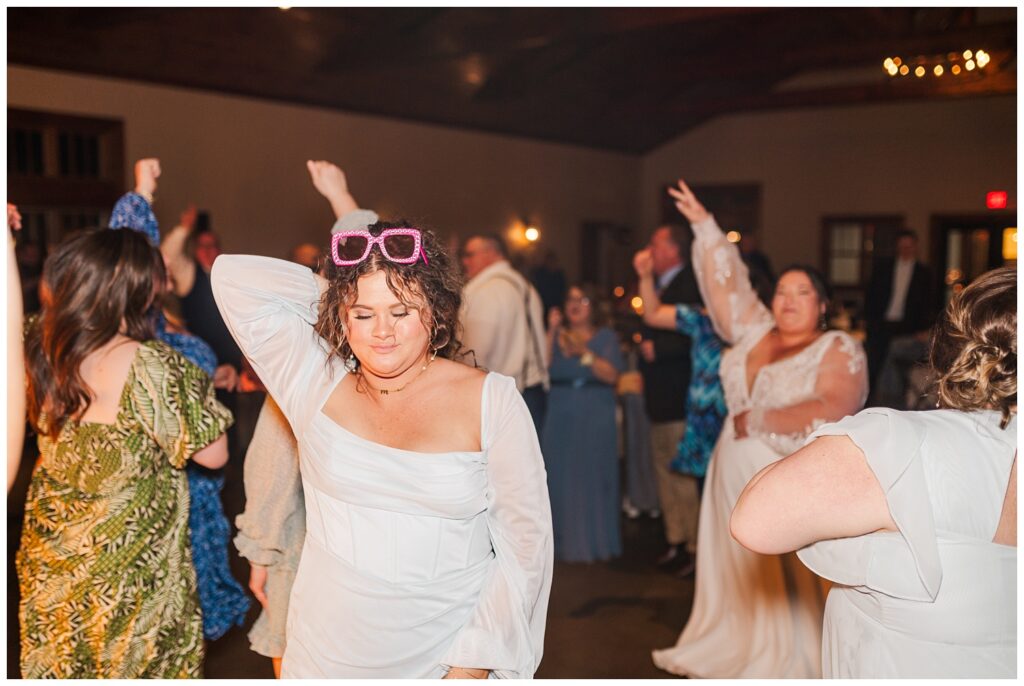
(107, 584)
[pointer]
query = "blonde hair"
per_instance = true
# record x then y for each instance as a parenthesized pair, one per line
(974, 346)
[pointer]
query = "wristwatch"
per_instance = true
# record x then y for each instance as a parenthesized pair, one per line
(587, 358)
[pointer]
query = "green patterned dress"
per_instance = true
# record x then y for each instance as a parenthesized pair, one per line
(105, 569)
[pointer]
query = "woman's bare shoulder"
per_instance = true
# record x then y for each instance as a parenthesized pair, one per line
(457, 371)
(459, 378)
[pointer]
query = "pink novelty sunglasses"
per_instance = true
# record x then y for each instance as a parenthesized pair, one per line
(402, 246)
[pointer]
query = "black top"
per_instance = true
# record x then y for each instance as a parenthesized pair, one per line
(667, 379)
(920, 309)
(203, 319)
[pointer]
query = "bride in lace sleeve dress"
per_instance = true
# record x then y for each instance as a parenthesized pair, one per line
(784, 375)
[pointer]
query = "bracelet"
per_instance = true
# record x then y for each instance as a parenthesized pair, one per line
(587, 358)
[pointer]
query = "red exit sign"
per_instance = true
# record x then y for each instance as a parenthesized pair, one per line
(995, 200)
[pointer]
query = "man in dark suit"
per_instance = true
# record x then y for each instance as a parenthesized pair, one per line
(899, 302)
(665, 366)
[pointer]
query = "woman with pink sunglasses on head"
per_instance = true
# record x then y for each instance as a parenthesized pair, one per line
(428, 550)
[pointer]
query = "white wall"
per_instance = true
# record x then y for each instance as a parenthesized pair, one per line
(914, 159)
(243, 159)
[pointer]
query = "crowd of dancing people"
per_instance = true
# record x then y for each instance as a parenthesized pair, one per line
(437, 429)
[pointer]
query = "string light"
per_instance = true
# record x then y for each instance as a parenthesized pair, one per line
(953, 63)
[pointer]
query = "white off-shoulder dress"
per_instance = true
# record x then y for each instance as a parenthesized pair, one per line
(412, 562)
(936, 599)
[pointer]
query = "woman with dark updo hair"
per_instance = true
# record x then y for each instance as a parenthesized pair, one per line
(913, 515)
(428, 549)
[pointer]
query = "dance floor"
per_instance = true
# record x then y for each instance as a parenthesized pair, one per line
(603, 621)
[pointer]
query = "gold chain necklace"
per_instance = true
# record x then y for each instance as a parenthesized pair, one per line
(384, 391)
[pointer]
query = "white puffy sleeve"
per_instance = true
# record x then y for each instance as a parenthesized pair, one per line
(904, 564)
(505, 632)
(724, 282)
(840, 389)
(270, 307)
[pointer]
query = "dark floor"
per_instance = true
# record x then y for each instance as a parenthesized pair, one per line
(603, 619)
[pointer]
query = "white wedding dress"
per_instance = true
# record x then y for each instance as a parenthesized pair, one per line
(757, 615)
(413, 562)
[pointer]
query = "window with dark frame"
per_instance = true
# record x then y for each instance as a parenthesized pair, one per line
(64, 172)
(850, 245)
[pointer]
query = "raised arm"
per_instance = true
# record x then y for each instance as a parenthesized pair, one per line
(270, 307)
(656, 314)
(134, 210)
(330, 181)
(15, 355)
(724, 281)
(181, 266)
(840, 390)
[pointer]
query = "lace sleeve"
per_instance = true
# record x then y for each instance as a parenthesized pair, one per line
(724, 282)
(840, 390)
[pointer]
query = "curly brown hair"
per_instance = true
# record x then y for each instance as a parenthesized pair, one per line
(974, 346)
(434, 288)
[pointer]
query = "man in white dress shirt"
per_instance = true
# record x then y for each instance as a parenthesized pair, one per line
(898, 308)
(503, 321)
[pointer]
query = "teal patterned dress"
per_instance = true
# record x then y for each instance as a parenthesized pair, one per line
(105, 568)
(705, 400)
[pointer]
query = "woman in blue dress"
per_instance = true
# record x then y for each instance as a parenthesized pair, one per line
(223, 601)
(580, 442)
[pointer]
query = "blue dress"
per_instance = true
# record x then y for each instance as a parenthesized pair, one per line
(223, 600)
(705, 400)
(580, 446)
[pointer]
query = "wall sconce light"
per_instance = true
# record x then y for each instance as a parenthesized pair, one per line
(522, 234)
